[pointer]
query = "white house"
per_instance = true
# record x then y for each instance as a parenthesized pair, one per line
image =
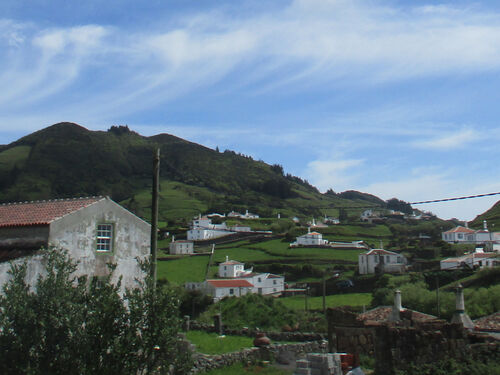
(473, 260)
(380, 260)
(310, 239)
(462, 234)
(203, 222)
(219, 289)
(181, 247)
(249, 215)
(95, 231)
(265, 283)
(231, 268)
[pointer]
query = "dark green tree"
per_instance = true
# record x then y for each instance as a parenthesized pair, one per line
(65, 325)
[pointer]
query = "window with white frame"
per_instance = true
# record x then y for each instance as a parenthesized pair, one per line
(104, 237)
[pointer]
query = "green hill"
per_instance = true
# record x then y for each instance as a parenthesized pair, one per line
(67, 160)
(492, 216)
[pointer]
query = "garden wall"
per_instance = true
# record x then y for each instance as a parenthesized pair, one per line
(203, 362)
(275, 336)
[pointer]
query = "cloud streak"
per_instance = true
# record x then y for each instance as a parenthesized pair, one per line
(304, 44)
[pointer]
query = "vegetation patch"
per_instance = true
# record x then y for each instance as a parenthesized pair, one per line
(180, 271)
(316, 303)
(212, 343)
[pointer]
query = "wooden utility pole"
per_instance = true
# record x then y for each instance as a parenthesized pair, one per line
(324, 293)
(154, 212)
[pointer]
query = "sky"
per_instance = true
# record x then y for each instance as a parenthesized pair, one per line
(393, 98)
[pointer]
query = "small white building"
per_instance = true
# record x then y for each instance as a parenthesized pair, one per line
(203, 222)
(241, 228)
(181, 247)
(462, 234)
(473, 260)
(219, 289)
(265, 283)
(380, 260)
(310, 239)
(249, 215)
(459, 234)
(200, 234)
(231, 268)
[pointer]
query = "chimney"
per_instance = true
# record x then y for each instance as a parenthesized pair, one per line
(396, 308)
(173, 238)
(460, 316)
(466, 223)
(308, 229)
(485, 225)
(227, 258)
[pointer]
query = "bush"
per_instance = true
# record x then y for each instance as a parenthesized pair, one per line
(64, 325)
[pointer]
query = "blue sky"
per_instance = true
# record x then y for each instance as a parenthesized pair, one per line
(394, 98)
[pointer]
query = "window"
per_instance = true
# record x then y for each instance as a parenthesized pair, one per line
(259, 280)
(400, 260)
(231, 291)
(104, 237)
(274, 282)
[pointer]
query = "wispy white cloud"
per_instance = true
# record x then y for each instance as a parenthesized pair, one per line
(338, 174)
(305, 44)
(453, 139)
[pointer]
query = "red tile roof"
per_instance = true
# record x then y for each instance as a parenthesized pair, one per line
(231, 262)
(41, 212)
(488, 323)
(235, 283)
(381, 314)
(460, 229)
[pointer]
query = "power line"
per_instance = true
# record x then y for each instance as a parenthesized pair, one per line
(421, 202)
(456, 199)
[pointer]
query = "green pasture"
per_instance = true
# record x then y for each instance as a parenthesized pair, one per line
(212, 343)
(336, 300)
(180, 271)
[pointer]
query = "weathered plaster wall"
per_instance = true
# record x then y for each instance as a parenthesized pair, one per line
(77, 232)
(34, 269)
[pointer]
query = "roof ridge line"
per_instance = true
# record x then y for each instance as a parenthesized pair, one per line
(51, 200)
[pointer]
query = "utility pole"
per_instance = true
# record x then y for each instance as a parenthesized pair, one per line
(154, 212)
(437, 296)
(324, 293)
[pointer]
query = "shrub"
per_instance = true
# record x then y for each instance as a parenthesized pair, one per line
(65, 325)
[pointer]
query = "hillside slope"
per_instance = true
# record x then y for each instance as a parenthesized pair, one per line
(492, 216)
(67, 160)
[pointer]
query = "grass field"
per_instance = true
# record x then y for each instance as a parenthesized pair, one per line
(179, 271)
(184, 269)
(211, 343)
(316, 303)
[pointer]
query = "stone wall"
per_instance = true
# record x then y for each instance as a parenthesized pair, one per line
(275, 336)
(203, 362)
(397, 347)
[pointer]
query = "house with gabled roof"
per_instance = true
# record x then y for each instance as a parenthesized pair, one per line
(95, 231)
(310, 239)
(380, 260)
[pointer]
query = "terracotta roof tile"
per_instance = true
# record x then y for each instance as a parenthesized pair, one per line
(233, 283)
(488, 323)
(41, 212)
(460, 229)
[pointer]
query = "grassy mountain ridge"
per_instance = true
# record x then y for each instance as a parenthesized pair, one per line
(67, 160)
(492, 216)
